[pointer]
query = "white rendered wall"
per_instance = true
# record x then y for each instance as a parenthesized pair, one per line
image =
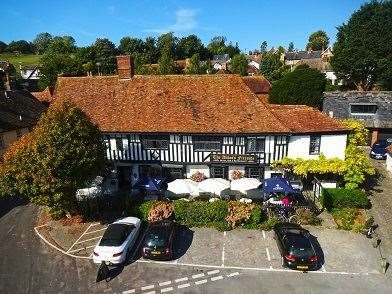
(331, 146)
(389, 162)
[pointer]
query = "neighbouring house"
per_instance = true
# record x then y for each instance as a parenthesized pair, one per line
(259, 85)
(374, 108)
(254, 61)
(44, 96)
(389, 158)
(19, 112)
(181, 65)
(220, 61)
(319, 60)
(30, 76)
(177, 125)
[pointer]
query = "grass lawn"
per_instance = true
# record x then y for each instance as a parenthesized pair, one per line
(25, 59)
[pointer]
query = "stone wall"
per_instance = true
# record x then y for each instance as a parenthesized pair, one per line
(337, 104)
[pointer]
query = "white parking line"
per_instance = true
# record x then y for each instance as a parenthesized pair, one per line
(80, 237)
(164, 283)
(92, 232)
(268, 254)
(212, 272)
(216, 278)
(183, 286)
(166, 289)
(198, 276)
(128, 291)
(95, 238)
(233, 274)
(181, 280)
(201, 282)
(147, 287)
(223, 249)
(263, 234)
(80, 249)
(151, 292)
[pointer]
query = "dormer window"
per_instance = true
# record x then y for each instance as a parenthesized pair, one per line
(363, 109)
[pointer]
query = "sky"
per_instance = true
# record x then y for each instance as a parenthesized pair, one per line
(247, 22)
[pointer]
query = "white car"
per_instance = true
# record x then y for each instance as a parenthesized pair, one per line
(117, 240)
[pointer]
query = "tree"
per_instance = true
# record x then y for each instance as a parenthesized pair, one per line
(105, 56)
(41, 42)
(232, 50)
(194, 65)
(272, 67)
(131, 46)
(363, 49)
(263, 47)
(239, 64)
(20, 46)
(304, 86)
(190, 45)
(60, 58)
(291, 47)
(3, 47)
(50, 163)
(217, 45)
(318, 41)
(167, 43)
(166, 64)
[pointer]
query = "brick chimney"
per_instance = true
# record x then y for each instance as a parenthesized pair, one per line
(125, 67)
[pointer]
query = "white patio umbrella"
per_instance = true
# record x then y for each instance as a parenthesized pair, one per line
(183, 186)
(244, 184)
(214, 185)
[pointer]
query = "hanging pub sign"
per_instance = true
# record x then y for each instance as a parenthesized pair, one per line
(235, 158)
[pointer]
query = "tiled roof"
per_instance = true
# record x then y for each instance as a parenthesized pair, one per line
(258, 84)
(43, 96)
(18, 109)
(174, 103)
(299, 55)
(305, 119)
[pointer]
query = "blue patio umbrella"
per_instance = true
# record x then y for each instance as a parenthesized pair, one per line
(277, 185)
(150, 184)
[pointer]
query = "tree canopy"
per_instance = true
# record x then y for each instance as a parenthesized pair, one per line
(3, 46)
(272, 67)
(239, 64)
(318, 41)
(50, 163)
(301, 86)
(41, 42)
(363, 49)
(21, 46)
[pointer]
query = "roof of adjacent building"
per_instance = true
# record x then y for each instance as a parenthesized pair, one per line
(43, 96)
(178, 104)
(258, 84)
(305, 119)
(18, 109)
(299, 55)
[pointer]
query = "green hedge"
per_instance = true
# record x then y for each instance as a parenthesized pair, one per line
(341, 197)
(200, 214)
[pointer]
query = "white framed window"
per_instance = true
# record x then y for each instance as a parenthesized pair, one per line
(363, 109)
(314, 146)
(201, 143)
(255, 145)
(156, 142)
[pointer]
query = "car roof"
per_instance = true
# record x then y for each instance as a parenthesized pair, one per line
(117, 230)
(297, 240)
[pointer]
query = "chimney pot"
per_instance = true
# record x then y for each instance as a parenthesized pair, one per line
(125, 67)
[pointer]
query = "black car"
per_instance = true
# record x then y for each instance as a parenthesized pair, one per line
(158, 240)
(296, 247)
(379, 149)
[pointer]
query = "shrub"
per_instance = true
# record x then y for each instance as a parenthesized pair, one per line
(344, 217)
(341, 197)
(160, 210)
(269, 224)
(198, 177)
(141, 209)
(306, 217)
(200, 214)
(238, 213)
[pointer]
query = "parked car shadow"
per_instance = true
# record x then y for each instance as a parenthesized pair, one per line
(109, 274)
(319, 251)
(9, 203)
(182, 241)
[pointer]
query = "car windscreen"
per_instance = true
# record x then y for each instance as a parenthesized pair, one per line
(116, 234)
(157, 237)
(299, 245)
